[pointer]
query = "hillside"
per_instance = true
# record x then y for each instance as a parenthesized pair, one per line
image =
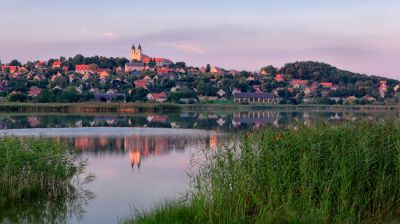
(321, 72)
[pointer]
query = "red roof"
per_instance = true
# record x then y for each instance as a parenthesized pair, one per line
(140, 83)
(100, 70)
(279, 77)
(161, 95)
(158, 60)
(56, 63)
(326, 84)
(40, 63)
(159, 118)
(82, 67)
(12, 68)
(295, 82)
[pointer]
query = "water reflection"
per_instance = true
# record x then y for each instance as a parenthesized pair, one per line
(140, 160)
(228, 122)
(141, 147)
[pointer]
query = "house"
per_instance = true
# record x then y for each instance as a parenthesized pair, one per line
(216, 70)
(11, 69)
(160, 62)
(163, 70)
(279, 77)
(383, 88)
(141, 83)
(157, 97)
(134, 66)
(234, 72)
(351, 99)
(104, 74)
(175, 89)
(259, 97)
(298, 83)
(55, 77)
(84, 68)
(327, 85)
(221, 93)
(236, 90)
(40, 64)
(34, 91)
(56, 64)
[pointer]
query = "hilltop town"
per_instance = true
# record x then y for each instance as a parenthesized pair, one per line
(150, 79)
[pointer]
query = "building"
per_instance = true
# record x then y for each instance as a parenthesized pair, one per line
(84, 68)
(34, 91)
(298, 83)
(160, 62)
(40, 64)
(327, 85)
(257, 97)
(56, 64)
(279, 77)
(9, 68)
(216, 71)
(157, 97)
(383, 88)
(141, 83)
(134, 66)
(136, 55)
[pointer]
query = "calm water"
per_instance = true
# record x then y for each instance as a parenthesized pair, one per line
(142, 160)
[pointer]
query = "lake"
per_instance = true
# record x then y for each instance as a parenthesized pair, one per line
(142, 160)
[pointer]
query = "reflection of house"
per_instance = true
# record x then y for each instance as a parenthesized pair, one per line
(157, 118)
(254, 117)
(257, 97)
(33, 122)
(213, 140)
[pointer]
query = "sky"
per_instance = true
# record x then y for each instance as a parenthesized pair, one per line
(357, 35)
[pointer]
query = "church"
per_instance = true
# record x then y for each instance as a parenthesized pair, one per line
(140, 60)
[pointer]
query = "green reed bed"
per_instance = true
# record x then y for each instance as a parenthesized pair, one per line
(34, 172)
(327, 174)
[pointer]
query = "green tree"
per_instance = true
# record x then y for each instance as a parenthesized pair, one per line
(208, 68)
(269, 70)
(15, 62)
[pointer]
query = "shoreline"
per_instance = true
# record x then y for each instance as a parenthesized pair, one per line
(137, 108)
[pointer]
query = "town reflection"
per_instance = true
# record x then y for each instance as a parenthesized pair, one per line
(140, 147)
(225, 122)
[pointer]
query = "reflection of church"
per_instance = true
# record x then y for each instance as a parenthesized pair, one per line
(139, 147)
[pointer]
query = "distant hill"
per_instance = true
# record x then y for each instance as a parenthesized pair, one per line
(321, 72)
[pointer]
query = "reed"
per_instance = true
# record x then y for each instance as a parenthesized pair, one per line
(349, 173)
(33, 170)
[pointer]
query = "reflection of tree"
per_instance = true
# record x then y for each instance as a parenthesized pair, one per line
(50, 209)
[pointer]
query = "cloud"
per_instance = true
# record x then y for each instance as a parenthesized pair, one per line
(109, 34)
(186, 47)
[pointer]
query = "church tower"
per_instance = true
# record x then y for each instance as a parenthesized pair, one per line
(136, 55)
(133, 51)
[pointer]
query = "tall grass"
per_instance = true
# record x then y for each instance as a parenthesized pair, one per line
(326, 174)
(40, 176)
